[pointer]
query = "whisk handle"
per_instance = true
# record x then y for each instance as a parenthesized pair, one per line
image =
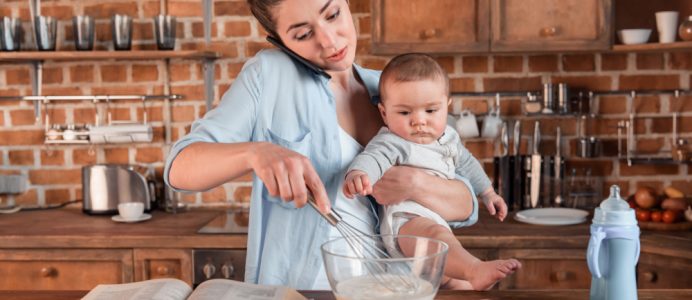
(332, 217)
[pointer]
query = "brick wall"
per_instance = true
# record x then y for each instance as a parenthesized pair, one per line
(54, 171)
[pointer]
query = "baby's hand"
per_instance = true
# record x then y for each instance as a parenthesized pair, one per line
(495, 204)
(357, 183)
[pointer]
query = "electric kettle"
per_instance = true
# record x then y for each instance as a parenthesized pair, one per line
(104, 186)
(613, 250)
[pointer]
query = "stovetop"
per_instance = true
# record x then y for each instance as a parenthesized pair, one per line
(232, 221)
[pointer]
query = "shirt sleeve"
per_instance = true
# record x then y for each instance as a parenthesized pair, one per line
(469, 167)
(231, 121)
(382, 152)
(473, 218)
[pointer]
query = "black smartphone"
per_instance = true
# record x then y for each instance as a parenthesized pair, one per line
(297, 57)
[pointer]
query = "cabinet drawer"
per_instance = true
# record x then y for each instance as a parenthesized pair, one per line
(163, 263)
(548, 269)
(663, 272)
(62, 269)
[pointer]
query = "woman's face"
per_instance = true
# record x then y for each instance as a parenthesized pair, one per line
(320, 31)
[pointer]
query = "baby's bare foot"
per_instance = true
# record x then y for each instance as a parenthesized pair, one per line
(449, 283)
(484, 274)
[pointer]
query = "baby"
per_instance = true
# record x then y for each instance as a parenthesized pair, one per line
(414, 92)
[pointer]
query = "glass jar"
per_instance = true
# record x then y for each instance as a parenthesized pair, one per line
(685, 29)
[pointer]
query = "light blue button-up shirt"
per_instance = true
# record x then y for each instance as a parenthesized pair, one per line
(277, 100)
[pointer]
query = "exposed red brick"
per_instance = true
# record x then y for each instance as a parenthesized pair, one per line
(682, 104)
(214, 195)
(62, 90)
(480, 149)
(594, 83)
(684, 186)
(144, 32)
(599, 167)
(17, 76)
(654, 170)
(198, 30)
(612, 105)
(183, 113)
(83, 156)
(22, 117)
(649, 61)
(52, 75)
(232, 8)
(114, 73)
(60, 12)
(142, 73)
(504, 64)
(524, 84)
(148, 155)
(474, 64)
(121, 90)
(25, 137)
(656, 185)
(57, 196)
(106, 10)
(30, 197)
(117, 155)
(60, 176)
(578, 62)
(154, 114)
(613, 62)
(237, 28)
(680, 60)
(189, 92)
(52, 157)
(21, 157)
(462, 85)
(542, 63)
(185, 9)
(649, 82)
(82, 73)
(649, 145)
(647, 104)
(446, 62)
(242, 194)
(180, 72)
(234, 70)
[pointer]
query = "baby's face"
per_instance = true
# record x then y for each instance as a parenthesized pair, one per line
(415, 110)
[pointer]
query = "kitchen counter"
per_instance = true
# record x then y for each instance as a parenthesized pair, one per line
(442, 295)
(70, 228)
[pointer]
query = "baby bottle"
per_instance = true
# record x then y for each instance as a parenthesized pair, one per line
(613, 250)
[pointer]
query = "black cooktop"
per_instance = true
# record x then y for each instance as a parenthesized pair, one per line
(232, 221)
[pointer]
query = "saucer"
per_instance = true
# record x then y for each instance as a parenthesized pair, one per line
(552, 216)
(119, 218)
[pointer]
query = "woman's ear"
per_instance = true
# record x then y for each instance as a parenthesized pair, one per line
(383, 113)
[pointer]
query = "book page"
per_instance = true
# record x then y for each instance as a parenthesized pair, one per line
(154, 289)
(224, 289)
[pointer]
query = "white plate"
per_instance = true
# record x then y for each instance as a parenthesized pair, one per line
(552, 216)
(143, 217)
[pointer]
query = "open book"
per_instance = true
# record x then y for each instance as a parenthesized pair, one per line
(176, 289)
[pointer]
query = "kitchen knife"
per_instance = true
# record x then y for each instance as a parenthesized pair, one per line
(535, 165)
(517, 186)
(558, 168)
(505, 175)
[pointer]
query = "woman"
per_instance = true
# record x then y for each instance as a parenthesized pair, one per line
(298, 130)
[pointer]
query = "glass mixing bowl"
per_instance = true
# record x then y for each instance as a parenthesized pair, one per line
(353, 274)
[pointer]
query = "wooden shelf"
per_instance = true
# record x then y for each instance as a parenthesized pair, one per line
(28, 56)
(654, 47)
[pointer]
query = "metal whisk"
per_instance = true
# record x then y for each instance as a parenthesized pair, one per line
(367, 247)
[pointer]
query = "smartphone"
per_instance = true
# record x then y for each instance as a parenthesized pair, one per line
(297, 57)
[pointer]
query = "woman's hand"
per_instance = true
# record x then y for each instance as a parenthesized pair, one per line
(288, 174)
(399, 183)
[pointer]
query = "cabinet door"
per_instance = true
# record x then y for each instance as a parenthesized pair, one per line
(163, 263)
(62, 269)
(430, 26)
(663, 272)
(550, 25)
(547, 269)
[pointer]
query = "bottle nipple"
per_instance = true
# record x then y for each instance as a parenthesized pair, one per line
(614, 201)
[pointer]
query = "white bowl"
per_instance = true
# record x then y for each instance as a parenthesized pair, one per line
(634, 36)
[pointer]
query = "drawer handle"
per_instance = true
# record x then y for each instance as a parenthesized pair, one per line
(650, 276)
(49, 272)
(227, 270)
(548, 31)
(428, 33)
(562, 275)
(162, 270)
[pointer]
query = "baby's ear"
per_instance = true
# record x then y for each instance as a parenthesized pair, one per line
(383, 113)
(449, 100)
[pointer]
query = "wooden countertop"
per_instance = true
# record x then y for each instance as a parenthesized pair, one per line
(442, 295)
(70, 228)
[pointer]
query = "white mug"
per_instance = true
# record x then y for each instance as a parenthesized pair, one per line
(466, 125)
(667, 25)
(491, 124)
(131, 210)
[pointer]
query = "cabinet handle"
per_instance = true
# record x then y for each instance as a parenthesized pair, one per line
(162, 270)
(561, 275)
(49, 272)
(548, 31)
(649, 276)
(428, 33)
(227, 270)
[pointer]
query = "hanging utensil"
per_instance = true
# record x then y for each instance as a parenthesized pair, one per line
(535, 165)
(558, 168)
(517, 170)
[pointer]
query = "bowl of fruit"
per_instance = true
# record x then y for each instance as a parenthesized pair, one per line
(666, 210)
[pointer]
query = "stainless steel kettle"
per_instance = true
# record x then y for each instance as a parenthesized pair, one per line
(104, 186)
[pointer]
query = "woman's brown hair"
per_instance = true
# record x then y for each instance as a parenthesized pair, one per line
(262, 10)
